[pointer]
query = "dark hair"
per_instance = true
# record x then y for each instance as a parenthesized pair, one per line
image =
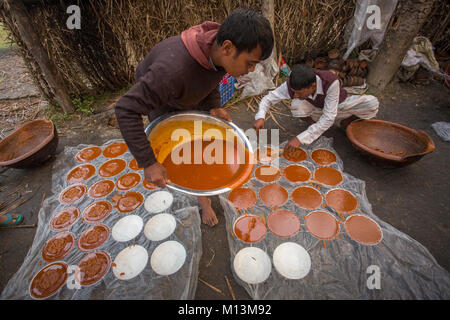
(302, 76)
(247, 28)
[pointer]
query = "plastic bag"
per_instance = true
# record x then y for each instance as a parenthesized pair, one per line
(364, 24)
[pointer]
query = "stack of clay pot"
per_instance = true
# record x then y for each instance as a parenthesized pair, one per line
(351, 72)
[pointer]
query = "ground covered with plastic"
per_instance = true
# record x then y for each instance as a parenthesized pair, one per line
(398, 267)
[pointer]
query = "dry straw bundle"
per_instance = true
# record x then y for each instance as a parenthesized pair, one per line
(116, 35)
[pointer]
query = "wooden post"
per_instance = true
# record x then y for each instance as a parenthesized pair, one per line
(410, 16)
(268, 11)
(31, 39)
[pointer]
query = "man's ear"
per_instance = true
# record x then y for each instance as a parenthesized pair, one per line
(228, 48)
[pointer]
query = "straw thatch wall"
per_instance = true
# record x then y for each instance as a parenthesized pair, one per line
(116, 34)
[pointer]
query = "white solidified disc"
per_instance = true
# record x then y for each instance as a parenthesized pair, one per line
(291, 260)
(130, 262)
(158, 201)
(160, 227)
(127, 228)
(252, 265)
(168, 257)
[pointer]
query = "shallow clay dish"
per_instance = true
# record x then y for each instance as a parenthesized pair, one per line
(93, 237)
(296, 156)
(127, 228)
(291, 260)
(328, 176)
(101, 189)
(128, 181)
(80, 173)
(92, 268)
(249, 228)
(128, 202)
(112, 168)
(265, 155)
(158, 201)
(341, 200)
(64, 219)
(29, 145)
(307, 197)
(363, 229)
(58, 246)
(97, 212)
(389, 144)
(283, 223)
(273, 195)
(72, 194)
(160, 226)
(115, 149)
(297, 173)
(242, 198)
(252, 265)
(130, 262)
(88, 154)
(267, 173)
(48, 280)
(168, 258)
(133, 165)
(322, 225)
(323, 157)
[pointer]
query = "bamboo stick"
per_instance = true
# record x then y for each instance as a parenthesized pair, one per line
(211, 286)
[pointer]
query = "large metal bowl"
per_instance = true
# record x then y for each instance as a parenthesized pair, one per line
(159, 122)
(389, 144)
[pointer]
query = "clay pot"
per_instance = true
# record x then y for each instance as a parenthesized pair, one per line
(30, 145)
(320, 63)
(350, 81)
(363, 64)
(333, 54)
(310, 62)
(336, 64)
(389, 144)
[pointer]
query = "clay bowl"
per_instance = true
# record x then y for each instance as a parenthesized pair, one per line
(389, 144)
(29, 145)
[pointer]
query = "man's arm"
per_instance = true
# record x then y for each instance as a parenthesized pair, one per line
(212, 101)
(273, 97)
(146, 95)
(326, 120)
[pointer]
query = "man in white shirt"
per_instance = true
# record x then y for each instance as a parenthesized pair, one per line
(318, 99)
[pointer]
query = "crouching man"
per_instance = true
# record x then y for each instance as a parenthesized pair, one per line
(317, 98)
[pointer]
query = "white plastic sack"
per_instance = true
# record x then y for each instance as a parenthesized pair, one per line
(369, 22)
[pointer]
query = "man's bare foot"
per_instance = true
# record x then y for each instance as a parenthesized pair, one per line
(208, 215)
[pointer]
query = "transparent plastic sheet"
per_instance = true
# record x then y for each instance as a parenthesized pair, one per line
(357, 31)
(148, 284)
(339, 270)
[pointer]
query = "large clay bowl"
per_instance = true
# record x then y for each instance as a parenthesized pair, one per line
(29, 145)
(389, 144)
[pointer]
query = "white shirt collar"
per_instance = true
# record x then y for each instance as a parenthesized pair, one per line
(319, 88)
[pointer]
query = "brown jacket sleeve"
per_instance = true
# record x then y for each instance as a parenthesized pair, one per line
(211, 101)
(148, 94)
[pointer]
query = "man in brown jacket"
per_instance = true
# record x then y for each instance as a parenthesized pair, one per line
(183, 73)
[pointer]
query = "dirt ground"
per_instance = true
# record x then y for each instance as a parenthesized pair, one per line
(413, 199)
